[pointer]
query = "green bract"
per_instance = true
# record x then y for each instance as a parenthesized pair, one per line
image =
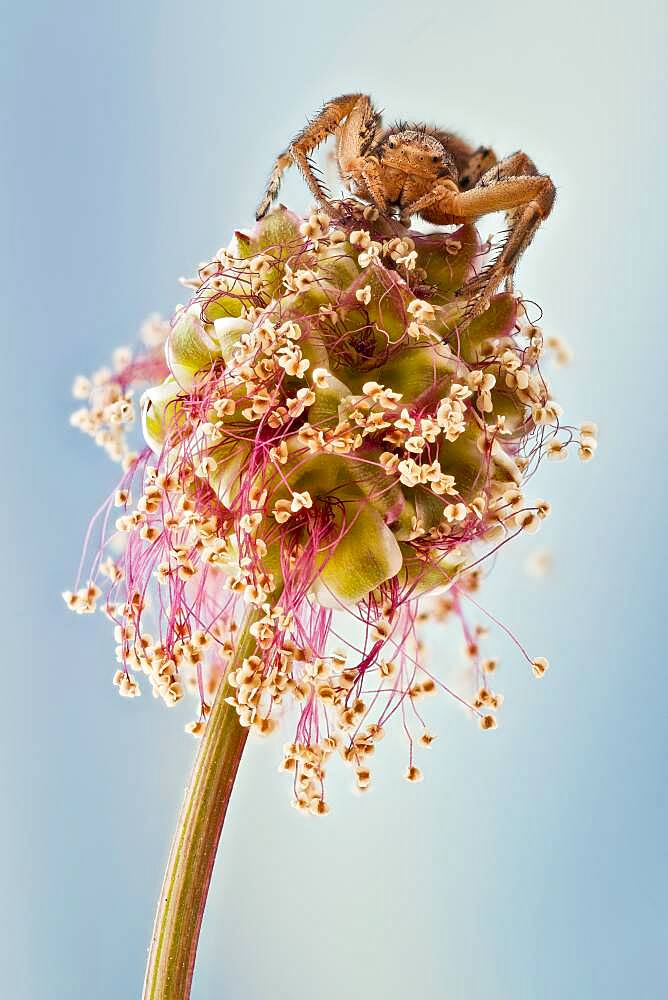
(345, 418)
(280, 368)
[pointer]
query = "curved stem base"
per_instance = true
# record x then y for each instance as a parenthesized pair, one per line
(178, 920)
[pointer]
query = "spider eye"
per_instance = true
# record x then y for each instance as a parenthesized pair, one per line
(435, 158)
(392, 143)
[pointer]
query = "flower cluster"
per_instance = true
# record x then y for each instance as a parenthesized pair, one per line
(329, 427)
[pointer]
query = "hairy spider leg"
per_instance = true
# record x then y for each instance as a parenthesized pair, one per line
(513, 186)
(475, 165)
(325, 123)
(522, 221)
(355, 137)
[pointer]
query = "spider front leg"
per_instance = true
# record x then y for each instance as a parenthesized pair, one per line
(513, 186)
(323, 125)
(522, 220)
(367, 169)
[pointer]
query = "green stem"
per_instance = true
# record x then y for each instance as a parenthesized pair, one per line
(185, 886)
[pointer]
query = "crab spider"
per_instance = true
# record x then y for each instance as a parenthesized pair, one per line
(412, 169)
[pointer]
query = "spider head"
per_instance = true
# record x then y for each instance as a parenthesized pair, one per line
(416, 153)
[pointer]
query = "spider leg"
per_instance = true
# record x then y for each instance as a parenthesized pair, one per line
(355, 140)
(513, 186)
(478, 163)
(368, 169)
(436, 202)
(313, 135)
(283, 161)
(523, 220)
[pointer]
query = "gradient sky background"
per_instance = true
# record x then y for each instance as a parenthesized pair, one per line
(531, 861)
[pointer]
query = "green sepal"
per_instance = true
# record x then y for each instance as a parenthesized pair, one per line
(446, 271)
(227, 332)
(504, 469)
(338, 264)
(296, 305)
(324, 413)
(496, 322)
(434, 575)
(363, 553)
(417, 370)
(312, 346)
(343, 479)
(333, 476)
(420, 505)
(277, 234)
(387, 308)
(463, 460)
(159, 406)
(428, 506)
(189, 349)
(231, 457)
(227, 303)
(240, 246)
(403, 525)
(448, 319)
(506, 404)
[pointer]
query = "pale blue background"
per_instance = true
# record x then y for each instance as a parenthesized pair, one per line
(531, 862)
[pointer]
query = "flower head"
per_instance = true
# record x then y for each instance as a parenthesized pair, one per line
(325, 430)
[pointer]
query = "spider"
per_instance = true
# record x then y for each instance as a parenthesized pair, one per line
(413, 169)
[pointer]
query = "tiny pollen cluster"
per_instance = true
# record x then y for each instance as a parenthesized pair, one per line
(327, 433)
